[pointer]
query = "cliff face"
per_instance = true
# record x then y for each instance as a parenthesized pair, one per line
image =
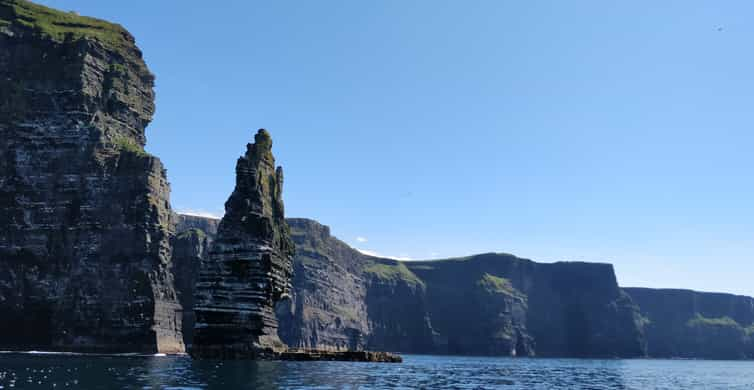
(475, 310)
(84, 213)
(189, 248)
(690, 324)
(248, 270)
(488, 304)
(327, 308)
(194, 236)
(502, 305)
(342, 301)
(185, 222)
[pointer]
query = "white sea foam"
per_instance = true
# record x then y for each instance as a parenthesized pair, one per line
(59, 353)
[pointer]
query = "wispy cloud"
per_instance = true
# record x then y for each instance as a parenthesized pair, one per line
(402, 256)
(199, 213)
(361, 239)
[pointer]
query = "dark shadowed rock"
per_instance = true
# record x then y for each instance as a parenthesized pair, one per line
(491, 304)
(343, 356)
(190, 246)
(345, 300)
(327, 310)
(499, 304)
(691, 324)
(85, 219)
(191, 243)
(249, 265)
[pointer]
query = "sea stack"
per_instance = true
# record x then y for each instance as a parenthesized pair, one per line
(85, 219)
(249, 266)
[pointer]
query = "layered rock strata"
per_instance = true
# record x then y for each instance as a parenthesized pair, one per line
(498, 304)
(691, 324)
(194, 236)
(345, 300)
(248, 270)
(491, 304)
(85, 219)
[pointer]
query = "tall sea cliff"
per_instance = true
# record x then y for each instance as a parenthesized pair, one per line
(85, 219)
(692, 324)
(93, 259)
(490, 304)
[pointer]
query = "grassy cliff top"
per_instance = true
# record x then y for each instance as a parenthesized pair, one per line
(60, 25)
(392, 272)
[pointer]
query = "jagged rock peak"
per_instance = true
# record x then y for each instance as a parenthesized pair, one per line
(255, 208)
(250, 264)
(263, 140)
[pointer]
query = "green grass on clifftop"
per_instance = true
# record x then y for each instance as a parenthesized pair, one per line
(495, 284)
(393, 273)
(60, 25)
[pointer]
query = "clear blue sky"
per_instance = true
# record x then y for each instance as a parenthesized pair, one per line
(581, 130)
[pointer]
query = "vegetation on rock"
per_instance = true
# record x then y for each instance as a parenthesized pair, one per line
(700, 320)
(495, 284)
(94, 273)
(61, 26)
(128, 145)
(200, 234)
(393, 272)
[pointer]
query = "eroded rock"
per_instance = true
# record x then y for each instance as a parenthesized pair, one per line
(248, 270)
(85, 219)
(693, 324)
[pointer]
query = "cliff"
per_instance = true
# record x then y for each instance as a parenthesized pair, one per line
(691, 324)
(341, 301)
(86, 222)
(488, 304)
(491, 304)
(185, 222)
(248, 269)
(498, 304)
(190, 245)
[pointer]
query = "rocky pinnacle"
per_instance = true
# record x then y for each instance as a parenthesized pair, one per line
(249, 266)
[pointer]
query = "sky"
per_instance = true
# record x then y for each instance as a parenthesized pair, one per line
(599, 131)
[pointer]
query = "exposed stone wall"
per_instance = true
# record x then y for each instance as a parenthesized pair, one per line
(184, 222)
(85, 219)
(327, 310)
(250, 263)
(692, 324)
(490, 304)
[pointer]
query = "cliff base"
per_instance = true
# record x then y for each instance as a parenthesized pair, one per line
(296, 355)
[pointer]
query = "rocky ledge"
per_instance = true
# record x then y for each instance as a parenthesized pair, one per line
(344, 356)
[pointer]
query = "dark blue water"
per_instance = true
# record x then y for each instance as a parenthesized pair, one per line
(22, 371)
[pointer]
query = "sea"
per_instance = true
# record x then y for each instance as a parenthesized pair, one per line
(39, 370)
